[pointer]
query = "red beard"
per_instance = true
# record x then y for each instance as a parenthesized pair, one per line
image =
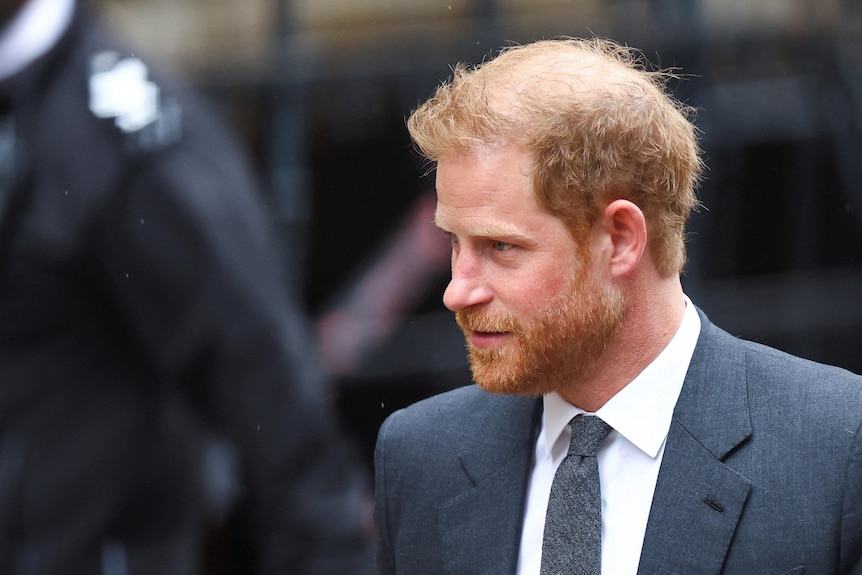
(559, 347)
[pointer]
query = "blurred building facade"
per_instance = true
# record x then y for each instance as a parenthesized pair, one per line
(320, 90)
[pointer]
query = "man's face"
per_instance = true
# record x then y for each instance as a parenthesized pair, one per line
(535, 315)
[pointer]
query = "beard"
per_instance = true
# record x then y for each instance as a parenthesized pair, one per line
(559, 348)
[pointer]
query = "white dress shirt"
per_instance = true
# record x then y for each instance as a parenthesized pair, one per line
(32, 31)
(629, 459)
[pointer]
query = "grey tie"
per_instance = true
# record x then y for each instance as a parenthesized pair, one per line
(573, 525)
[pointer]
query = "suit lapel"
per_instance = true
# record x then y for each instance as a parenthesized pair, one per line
(481, 527)
(696, 508)
(698, 499)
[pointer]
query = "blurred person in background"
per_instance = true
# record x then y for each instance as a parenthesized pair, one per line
(155, 385)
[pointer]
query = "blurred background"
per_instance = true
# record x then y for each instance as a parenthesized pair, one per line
(319, 91)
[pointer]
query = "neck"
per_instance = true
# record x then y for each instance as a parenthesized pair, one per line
(652, 319)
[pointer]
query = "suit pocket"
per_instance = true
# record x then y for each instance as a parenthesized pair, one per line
(797, 571)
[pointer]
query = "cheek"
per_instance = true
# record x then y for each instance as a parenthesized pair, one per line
(531, 293)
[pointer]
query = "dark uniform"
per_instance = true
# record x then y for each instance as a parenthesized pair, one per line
(146, 339)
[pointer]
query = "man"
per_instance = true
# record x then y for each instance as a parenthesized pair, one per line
(154, 381)
(565, 175)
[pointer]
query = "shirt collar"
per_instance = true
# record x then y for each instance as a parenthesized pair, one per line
(32, 32)
(642, 411)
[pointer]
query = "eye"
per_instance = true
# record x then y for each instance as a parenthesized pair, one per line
(453, 240)
(502, 246)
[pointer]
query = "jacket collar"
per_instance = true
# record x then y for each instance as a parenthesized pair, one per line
(698, 499)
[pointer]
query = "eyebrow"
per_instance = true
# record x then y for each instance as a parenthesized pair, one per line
(489, 232)
(498, 232)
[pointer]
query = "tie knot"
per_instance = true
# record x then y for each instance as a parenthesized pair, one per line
(588, 431)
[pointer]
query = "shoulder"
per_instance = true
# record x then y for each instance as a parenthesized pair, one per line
(787, 387)
(776, 378)
(459, 408)
(453, 415)
(461, 399)
(767, 362)
(95, 84)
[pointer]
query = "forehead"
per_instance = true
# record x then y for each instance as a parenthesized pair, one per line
(486, 179)
(489, 192)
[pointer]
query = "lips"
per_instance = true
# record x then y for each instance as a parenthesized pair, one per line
(484, 330)
(486, 339)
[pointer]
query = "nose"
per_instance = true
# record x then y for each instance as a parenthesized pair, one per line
(468, 287)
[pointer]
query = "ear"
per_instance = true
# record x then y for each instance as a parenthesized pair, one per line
(625, 226)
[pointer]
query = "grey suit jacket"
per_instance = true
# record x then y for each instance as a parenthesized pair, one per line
(762, 473)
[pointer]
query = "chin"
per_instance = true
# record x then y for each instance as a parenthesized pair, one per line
(501, 381)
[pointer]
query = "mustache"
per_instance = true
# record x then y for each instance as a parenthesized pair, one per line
(471, 320)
